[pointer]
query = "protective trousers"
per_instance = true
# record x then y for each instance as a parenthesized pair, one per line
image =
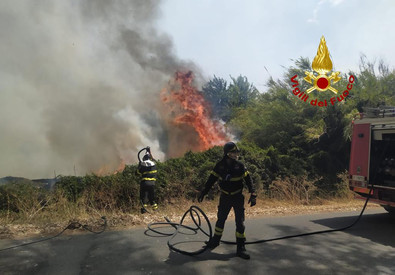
(226, 202)
(147, 192)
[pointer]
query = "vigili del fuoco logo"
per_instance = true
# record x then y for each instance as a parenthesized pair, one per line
(320, 80)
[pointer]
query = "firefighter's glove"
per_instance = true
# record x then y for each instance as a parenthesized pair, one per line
(252, 200)
(201, 197)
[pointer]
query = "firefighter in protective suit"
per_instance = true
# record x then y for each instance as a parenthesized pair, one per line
(147, 171)
(231, 174)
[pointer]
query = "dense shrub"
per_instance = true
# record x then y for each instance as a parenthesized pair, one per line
(24, 198)
(274, 175)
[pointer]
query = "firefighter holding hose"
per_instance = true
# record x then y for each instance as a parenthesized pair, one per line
(148, 172)
(231, 174)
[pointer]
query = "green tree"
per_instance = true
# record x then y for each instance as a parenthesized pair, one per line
(225, 99)
(215, 92)
(373, 89)
(241, 92)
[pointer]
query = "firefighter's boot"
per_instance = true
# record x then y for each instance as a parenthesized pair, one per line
(241, 249)
(213, 242)
(144, 209)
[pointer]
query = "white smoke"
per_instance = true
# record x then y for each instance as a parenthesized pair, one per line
(80, 84)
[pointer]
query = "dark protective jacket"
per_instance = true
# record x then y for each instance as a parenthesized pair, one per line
(147, 170)
(231, 177)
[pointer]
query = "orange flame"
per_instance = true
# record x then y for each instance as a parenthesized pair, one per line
(108, 170)
(188, 107)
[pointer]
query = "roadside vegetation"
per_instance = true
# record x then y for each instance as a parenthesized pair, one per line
(296, 153)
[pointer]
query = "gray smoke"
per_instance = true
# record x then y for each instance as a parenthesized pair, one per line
(80, 84)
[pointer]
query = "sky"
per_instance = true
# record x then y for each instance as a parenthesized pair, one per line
(258, 38)
(81, 81)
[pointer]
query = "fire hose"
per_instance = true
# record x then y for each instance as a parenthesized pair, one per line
(194, 212)
(147, 150)
(71, 226)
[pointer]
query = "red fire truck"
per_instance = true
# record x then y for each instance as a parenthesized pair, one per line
(372, 159)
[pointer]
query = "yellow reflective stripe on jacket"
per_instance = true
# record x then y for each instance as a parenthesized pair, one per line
(240, 178)
(148, 179)
(231, 193)
(150, 172)
(215, 174)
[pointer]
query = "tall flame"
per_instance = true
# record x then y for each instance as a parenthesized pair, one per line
(188, 107)
(322, 62)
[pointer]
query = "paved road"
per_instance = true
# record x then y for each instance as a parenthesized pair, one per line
(367, 248)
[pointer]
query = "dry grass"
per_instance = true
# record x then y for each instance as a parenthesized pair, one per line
(294, 189)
